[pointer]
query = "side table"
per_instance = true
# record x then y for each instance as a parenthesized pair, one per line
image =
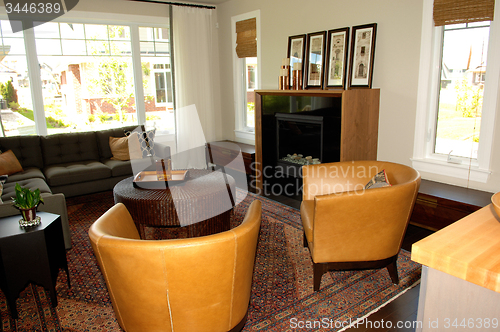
(31, 254)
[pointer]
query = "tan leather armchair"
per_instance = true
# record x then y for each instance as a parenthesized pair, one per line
(195, 284)
(347, 227)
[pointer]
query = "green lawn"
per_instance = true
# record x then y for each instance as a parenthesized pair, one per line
(452, 125)
(51, 122)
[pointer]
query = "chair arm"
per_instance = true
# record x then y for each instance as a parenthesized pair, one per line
(56, 203)
(345, 223)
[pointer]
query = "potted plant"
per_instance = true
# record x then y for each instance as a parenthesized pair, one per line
(27, 201)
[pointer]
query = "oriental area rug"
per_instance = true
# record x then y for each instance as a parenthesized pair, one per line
(282, 294)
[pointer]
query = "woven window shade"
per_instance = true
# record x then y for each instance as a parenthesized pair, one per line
(246, 38)
(463, 11)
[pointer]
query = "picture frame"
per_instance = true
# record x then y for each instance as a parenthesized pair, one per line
(336, 58)
(296, 52)
(362, 55)
(315, 59)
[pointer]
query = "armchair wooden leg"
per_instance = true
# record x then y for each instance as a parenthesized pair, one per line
(392, 268)
(318, 270)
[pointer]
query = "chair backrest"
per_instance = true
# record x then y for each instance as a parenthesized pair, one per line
(195, 284)
(354, 224)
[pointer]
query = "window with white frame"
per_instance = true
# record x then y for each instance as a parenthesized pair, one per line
(87, 77)
(456, 99)
(246, 59)
(163, 84)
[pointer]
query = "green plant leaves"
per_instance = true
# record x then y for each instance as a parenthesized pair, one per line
(26, 198)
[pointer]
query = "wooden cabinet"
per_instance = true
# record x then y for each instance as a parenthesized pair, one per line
(439, 205)
(222, 153)
(357, 111)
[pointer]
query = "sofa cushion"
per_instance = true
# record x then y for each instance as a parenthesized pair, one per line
(145, 139)
(69, 173)
(119, 167)
(9, 163)
(36, 183)
(27, 173)
(103, 139)
(125, 148)
(26, 148)
(69, 148)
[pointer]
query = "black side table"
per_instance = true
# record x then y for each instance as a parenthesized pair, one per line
(31, 254)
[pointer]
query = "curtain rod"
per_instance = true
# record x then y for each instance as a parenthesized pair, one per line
(176, 4)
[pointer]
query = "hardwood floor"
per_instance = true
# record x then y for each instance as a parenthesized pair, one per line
(403, 310)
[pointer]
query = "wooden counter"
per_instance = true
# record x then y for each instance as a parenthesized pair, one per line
(468, 249)
(460, 285)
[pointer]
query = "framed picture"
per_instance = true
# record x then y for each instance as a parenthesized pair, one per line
(362, 55)
(296, 52)
(315, 58)
(336, 55)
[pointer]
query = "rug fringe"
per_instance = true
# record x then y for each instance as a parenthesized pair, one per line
(380, 307)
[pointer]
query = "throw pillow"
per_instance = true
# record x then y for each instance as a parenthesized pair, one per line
(146, 141)
(378, 181)
(125, 148)
(3, 179)
(9, 163)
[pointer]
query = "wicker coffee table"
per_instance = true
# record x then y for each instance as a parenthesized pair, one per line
(201, 205)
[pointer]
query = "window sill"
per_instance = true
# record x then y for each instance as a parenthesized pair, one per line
(473, 173)
(246, 135)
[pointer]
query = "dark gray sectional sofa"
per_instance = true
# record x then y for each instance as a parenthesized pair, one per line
(66, 165)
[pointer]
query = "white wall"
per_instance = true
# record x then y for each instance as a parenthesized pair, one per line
(395, 69)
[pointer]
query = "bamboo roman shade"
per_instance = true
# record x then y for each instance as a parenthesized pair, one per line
(463, 11)
(246, 38)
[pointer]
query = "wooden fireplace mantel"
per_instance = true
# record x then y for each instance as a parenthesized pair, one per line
(359, 123)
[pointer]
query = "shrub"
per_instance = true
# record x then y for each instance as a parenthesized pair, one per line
(13, 105)
(8, 92)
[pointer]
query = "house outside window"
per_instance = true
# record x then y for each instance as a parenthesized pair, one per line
(87, 77)
(163, 84)
(455, 109)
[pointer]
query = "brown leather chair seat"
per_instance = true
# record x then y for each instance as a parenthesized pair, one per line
(195, 284)
(347, 227)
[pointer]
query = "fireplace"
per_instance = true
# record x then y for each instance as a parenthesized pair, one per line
(304, 139)
(328, 125)
(298, 140)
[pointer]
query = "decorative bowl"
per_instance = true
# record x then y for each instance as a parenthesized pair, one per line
(495, 200)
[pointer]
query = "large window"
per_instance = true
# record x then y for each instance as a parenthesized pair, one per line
(87, 77)
(463, 70)
(457, 98)
(246, 59)
(16, 114)
(249, 85)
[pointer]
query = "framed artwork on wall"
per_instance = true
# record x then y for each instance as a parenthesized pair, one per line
(336, 58)
(362, 55)
(315, 58)
(296, 52)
